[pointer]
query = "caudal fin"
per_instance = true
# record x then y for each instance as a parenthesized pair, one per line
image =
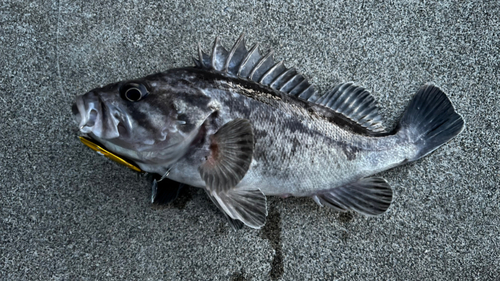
(430, 120)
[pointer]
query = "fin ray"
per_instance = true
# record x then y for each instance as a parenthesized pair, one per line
(204, 59)
(219, 55)
(251, 65)
(234, 223)
(279, 81)
(430, 120)
(249, 62)
(369, 196)
(236, 56)
(264, 63)
(248, 206)
(355, 103)
(272, 73)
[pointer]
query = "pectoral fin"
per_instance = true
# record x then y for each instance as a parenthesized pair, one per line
(368, 196)
(231, 151)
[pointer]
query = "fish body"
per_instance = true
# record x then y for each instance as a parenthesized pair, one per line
(242, 127)
(297, 151)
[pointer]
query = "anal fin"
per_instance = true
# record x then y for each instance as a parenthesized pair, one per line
(368, 196)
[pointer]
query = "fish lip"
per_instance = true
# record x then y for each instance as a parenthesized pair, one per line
(80, 112)
(87, 115)
(76, 113)
(90, 123)
(88, 112)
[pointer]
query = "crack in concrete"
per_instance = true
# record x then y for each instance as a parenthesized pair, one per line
(272, 232)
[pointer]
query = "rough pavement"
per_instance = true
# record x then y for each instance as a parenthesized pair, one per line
(67, 214)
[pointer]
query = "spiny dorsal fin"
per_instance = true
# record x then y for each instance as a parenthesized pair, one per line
(356, 103)
(251, 65)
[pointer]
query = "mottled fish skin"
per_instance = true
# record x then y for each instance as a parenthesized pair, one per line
(155, 132)
(297, 151)
(241, 126)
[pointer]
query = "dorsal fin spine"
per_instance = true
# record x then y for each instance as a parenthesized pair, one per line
(313, 97)
(352, 101)
(259, 64)
(200, 54)
(233, 50)
(304, 91)
(304, 80)
(253, 66)
(214, 51)
(281, 76)
(196, 62)
(271, 70)
(249, 55)
(289, 81)
(292, 82)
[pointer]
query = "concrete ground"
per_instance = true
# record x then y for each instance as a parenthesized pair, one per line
(68, 214)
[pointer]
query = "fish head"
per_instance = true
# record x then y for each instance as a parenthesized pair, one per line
(150, 120)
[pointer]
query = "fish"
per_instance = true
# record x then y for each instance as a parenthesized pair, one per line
(242, 126)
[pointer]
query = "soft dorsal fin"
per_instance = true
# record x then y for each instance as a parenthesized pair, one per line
(252, 65)
(356, 103)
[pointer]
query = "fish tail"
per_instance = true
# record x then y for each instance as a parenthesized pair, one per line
(429, 121)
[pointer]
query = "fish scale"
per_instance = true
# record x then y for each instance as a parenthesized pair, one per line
(242, 127)
(290, 128)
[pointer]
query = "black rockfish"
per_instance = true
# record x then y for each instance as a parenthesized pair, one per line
(241, 126)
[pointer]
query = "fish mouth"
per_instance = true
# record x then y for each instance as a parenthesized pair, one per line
(96, 118)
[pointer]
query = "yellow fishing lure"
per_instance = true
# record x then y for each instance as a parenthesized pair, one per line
(94, 146)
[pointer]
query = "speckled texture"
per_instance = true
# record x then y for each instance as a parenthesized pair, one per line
(67, 214)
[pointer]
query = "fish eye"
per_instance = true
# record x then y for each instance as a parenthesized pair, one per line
(133, 92)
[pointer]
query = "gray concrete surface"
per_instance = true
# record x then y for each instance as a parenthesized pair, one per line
(68, 214)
